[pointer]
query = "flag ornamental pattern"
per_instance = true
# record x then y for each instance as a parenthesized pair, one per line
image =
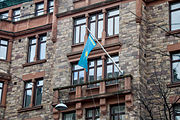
(90, 44)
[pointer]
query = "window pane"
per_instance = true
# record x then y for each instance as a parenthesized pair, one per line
(176, 71)
(75, 76)
(33, 41)
(29, 85)
(32, 50)
(40, 6)
(83, 32)
(4, 15)
(89, 113)
(38, 95)
(77, 67)
(117, 25)
(100, 16)
(40, 12)
(92, 17)
(80, 21)
(28, 94)
(0, 94)
(177, 118)
(99, 62)
(40, 83)
(100, 29)
(42, 51)
(92, 28)
(91, 64)
(176, 56)
(175, 6)
(91, 75)
(113, 12)
(81, 76)
(1, 85)
(110, 26)
(99, 73)
(116, 71)
(76, 34)
(4, 42)
(16, 12)
(175, 21)
(3, 52)
(69, 116)
(109, 71)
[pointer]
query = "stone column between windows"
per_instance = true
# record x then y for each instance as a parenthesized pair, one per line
(87, 2)
(4, 93)
(103, 84)
(33, 95)
(104, 27)
(9, 50)
(87, 25)
(45, 6)
(37, 44)
(10, 14)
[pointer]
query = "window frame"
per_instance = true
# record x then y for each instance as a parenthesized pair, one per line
(39, 45)
(29, 48)
(16, 17)
(1, 15)
(34, 91)
(50, 7)
(171, 54)
(2, 88)
(94, 117)
(37, 10)
(5, 46)
(72, 74)
(174, 112)
(170, 16)
(119, 113)
(74, 31)
(71, 112)
(111, 9)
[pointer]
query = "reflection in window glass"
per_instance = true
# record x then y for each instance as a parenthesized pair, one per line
(39, 9)
(69, 116)
(92, 114)
(28, 94)
(39, 90)
(42, 52)
(77, 74)
(32, 49)
(3, 49)
(118, 112)
(177, 112)
(4, 15)
(1, 91)
(175, 15)
(50, 6)
(176, 67)
(16, 14)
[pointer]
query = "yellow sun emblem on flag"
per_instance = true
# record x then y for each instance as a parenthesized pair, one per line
(86, 53)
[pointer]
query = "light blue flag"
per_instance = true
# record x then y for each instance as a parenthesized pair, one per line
(90, 44)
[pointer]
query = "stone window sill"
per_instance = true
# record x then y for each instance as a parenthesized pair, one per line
(173, 32)
(34, 63)
(111, 37)
(30, 108)
(3, 60)
(78, 44)
(172, 85)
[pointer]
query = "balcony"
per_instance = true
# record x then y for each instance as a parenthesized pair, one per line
(96, 90)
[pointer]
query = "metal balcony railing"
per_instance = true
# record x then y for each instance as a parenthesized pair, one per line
(105, 88)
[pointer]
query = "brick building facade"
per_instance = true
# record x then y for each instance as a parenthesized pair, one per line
(41, 42)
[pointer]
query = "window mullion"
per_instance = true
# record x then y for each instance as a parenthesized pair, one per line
(37, 48)
(33, 93)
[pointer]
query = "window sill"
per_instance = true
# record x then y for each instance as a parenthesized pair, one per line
(78, 44)
(30, 108)
(174, 84)
(114, 36)
(173, 32)
(34, 63)
(3, 60)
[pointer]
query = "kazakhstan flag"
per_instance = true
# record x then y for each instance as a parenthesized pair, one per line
(90, 44)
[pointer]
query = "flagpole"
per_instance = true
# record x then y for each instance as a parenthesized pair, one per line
(106, 52)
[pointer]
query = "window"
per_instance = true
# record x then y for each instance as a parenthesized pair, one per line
(77, 74)
(28, 94)
(39, 9)
(177, 112)
(112, 70)
(37, 46)
(118, 112)
(50, 6)
(95, 71)
(113, 22)
(69, 116)
(174, 16)
(4, 15)
(92, 114)
(79, 30)
(3, 49)
(1, 90)
(175, 61)
(96, 25)
(16, 14)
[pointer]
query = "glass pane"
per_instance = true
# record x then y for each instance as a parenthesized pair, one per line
(42, 51)
(100, 16)
(81, 76)
(100, 29)
(76, 34)
(175, 21)
(0, 94)
(77, 67)
(176, 71)
(118, 109)
(4, 15)
(51, 3)
(110, 27)
(83, 32)
(32, 50)
(75, 75)
(33, 41)
(117, 25)
(40, 12)
(80, 21)
(3, 52)
(43, 38)
(177, 109)
(92, 28)
(40, 83)
(176, 56)
(116, 71)
(96, 112)
(16, 12)
(51, 9)
(175, 6)
(4, 42)
(113, 12)
(91, 64)
(91, 75)
(1, 85)
(109, 71)
(89, 113)
(40, 6)
(99, 62)
(69, 116)
(28, 94)
(99, 73)
(29, 85)
(177, 117)
(38, 95)
(93, 18)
